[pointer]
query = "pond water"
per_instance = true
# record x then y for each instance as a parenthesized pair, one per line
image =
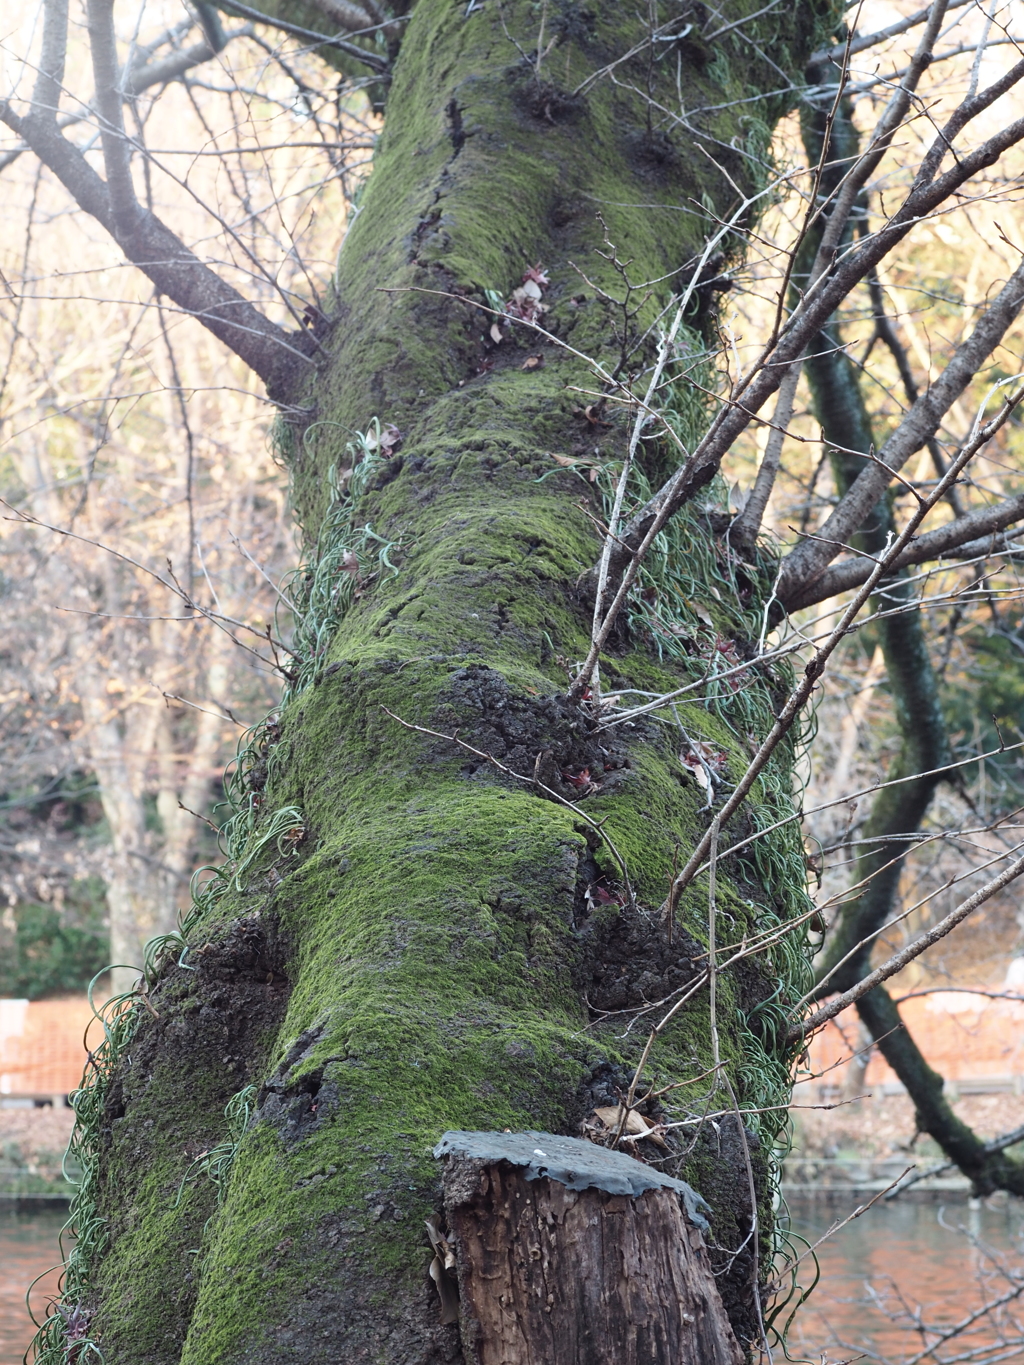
(903, 1268)
(941, 1262)
(28, 1247)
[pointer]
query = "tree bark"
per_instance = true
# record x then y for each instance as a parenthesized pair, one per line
(550, 1273)
(456, 949)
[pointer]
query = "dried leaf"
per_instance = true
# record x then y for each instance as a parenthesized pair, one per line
(592, 412)
(698, 772)
(439, 1241)
(701, 613)
(635, 1127)
(525, 302)
(446, 1290)
(600, 895)
(390, 439)
(496, 335)
(701, 754)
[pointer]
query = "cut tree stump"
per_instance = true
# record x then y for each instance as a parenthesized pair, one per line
(568, 1253)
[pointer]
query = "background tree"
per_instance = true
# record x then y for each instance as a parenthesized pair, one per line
(517, 849)
(128, 426)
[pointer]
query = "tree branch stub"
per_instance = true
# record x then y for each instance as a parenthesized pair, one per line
(597, 1263)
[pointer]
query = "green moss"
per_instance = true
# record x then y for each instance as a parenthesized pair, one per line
(430, 907)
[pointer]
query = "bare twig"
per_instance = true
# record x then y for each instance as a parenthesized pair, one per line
(882, 35)
(744, 530)
(361, 54)
(899, 960)
(965, 534)
(808, 561)
(927, 193)
(175, 270)
(814, 669)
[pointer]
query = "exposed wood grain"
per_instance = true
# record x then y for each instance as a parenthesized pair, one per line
(553, 1276)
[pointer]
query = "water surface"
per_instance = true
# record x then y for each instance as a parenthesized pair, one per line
(899, 1267)
(903, 1269)
(28, 1247)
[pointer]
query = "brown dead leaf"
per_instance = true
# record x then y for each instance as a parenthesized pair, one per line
(442, 1272)
(701, 613)
(387, 441)
(701, 753)
(496, 336)
(636, 1126)
(699, 774)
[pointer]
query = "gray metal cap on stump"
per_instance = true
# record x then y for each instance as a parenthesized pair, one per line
(568, 1253)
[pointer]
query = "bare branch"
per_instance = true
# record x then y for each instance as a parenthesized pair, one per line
(886, 333)
(883, 34)
(881, 138)
(745, 528)
(899, 960)
(139, 74)
(138, 78)
(117, 151)
(273, 353)
(50, 77)
(994, 1145)
(369, 59)
(801, 693)
(967, 111)
(966, 534)
(343, 12)
(818, 306)
(809, 560)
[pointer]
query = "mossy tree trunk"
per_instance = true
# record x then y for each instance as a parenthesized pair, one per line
(425, 942)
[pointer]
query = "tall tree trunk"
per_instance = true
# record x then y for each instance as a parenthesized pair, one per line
(128, 742)
(412, 940)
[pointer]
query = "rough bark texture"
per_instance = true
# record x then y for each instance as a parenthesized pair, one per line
(445, 948)
(548, 1274)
